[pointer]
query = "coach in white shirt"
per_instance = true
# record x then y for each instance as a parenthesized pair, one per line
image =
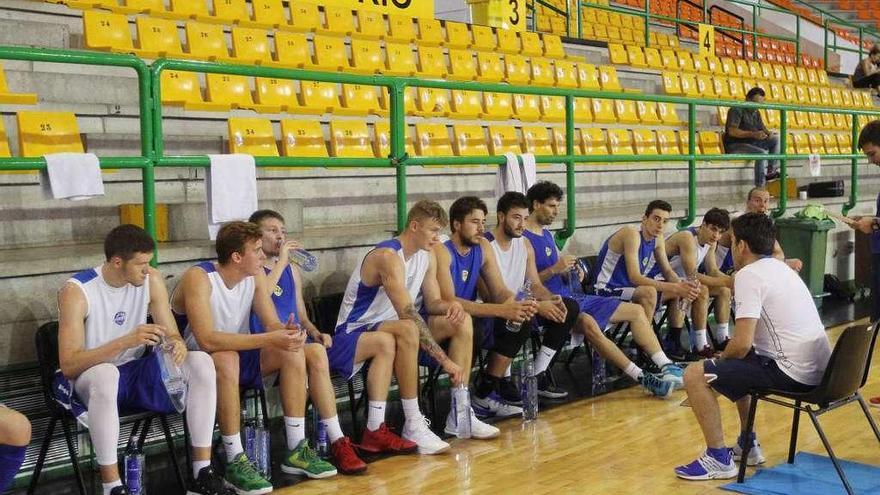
(779, 342)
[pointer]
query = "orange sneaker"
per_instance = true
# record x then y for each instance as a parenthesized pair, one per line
(384, 440)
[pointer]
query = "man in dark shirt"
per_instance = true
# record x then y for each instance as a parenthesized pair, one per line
(745, 132)
(867, 72)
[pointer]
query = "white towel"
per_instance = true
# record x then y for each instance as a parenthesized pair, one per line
(527, 162)
(73, 176)
(517, 174)
(230, 189)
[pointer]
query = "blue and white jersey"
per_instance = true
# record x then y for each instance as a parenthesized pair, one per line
(364, 305)
(511, 263)
(112, 312)
(283, 298)
(546, 255)
(465, 270)
(675, 261)
(612, 267)
(723, 258)
(230, 308)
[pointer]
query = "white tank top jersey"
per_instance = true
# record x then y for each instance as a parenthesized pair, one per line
(702, 250)
(230, 308)
(112, 312)
(364, 305)
(512, 262)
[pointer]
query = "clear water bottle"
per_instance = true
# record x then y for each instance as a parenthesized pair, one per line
(461, 410)
(683, 304)
(134, 466)
(263, 452)
(529, 388)
(600, 379)
(576, 290)
(249, 433)
(172, 376)
(306, 260)
(322, 446)
(524, 292)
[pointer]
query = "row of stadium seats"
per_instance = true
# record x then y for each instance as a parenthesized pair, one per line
(42, 133)
(10, 98)
(802, 120)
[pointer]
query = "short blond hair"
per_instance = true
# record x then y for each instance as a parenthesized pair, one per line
(427, 210)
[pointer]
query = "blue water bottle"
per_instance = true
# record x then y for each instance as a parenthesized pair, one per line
(134, 464)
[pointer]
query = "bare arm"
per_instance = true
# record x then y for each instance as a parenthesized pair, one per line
(713, 276)
(432, 296)
(630, 240)
(160, 307)
(743, 336)
(283, 261)
(540, 292)
(686, 248)
(304, 320)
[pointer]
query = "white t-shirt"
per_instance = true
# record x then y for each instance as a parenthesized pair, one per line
(789, 329)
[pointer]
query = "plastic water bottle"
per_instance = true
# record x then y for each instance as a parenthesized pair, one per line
(249, 432)
(529, 388)
(524, 292)
(461, 407)
(683, 304)
(306, 260)
(599, 380)
(575, 288)
(134, 465)
(172, 376)
(263, 452)
(322, 446)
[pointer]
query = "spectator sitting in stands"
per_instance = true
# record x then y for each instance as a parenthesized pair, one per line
(867, 72)
(745, 132)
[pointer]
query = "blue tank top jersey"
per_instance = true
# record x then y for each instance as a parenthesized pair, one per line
(465, 270)
(612, 267)
(546, 256)
(284, 299)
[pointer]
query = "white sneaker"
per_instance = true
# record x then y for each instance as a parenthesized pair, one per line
(756, 455)
(479, 430)
(418, 431)
(493, 406)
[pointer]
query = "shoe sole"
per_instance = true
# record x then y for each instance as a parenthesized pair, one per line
(553, 395)
(723, 475)
(877, 405)
(738, 458)
(239, 491)
(434, 452)
(475, 437)
(371, 451)
(307, 474)
(352, 472)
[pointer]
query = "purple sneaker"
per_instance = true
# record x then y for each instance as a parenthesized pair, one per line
(707, 467)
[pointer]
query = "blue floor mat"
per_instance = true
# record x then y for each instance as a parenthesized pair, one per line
(810, 474)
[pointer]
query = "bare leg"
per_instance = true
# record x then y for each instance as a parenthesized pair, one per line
(704, 404)
(406, 337)
(461, 337)
(643, 333)
(722, 303)
(379, 347)
(228, 401)
(291, 368)
(646, 297)
(320, 386)
(600, 342)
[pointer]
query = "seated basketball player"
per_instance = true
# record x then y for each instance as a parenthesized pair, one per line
(15, 435)
(103, 338)
(555, 271)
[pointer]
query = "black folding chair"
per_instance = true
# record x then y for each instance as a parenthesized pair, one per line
(46, 341)
(846, 373)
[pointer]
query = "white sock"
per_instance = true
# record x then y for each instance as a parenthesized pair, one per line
(633, 371)
(109, 486)
(545, 354)
(197, 467)
(334, 431)
(700, 336)
(376, 416)
(660, 359)
(295, 429)
(232, 445)
(507, 371)
(721, 332)
(411, 409)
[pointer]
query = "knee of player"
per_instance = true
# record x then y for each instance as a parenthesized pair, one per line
(408, 333)
(694, 374)
(723, 293)
(316, 358)
(15, 429)
(645, 293)
(200, 365)
(103, 381)
(588, 326)
(226, 364)
(704, 292)
(466, 327)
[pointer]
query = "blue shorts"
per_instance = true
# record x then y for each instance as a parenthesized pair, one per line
(734, 378)
(250, 373)
(342, 353)
(600, 308)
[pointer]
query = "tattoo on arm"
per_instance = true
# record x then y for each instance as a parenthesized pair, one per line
(426, 340)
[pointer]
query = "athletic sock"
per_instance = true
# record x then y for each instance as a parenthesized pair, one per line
(295, 430)
(700, 339)
(545, 354)
(411, 409)
(660, 359)
(376, 416)
(110, 486)
(198, 466)
(721, 332)
(334, 431)
(232, 445)
(633, 371)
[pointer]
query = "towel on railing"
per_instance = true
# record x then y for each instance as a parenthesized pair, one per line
(230, 189)
(517, 174)
(73, 176)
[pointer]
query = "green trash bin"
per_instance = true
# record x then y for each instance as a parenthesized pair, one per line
(807, 240)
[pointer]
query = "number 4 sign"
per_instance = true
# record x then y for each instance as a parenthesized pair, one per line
(707, 40)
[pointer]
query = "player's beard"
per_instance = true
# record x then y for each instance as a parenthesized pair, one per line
(511, 232)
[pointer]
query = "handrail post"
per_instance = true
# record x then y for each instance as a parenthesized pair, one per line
(567, 19)
(647, 22)
(797, 41)
(754, 32)
(783, 165)
(563, 235)
(854, 170)
(398, 148)
(688, 219)
(825, 25)
(580, 20)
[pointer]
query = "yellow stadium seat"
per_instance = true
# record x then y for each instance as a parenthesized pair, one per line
(7, 97)
(508, 41)
(152, 7)
(371, 24)
(542, 72)
(845, 143)
(292, 50)
(531, 44)
(458, 35)
(617, 53)
(44, 133)
(432, 102)
(705, 87)
(526, 107)
(821, 78)
(721, 87)
(755, 70)
(712, 65)
(558, 134)
(594, 141)
(671, 84)
(252, 136)
(503, 139)
(230, 11)
(275, 95)
(350, 139)
(722, 115)
(552, 108)
(829, 141)
(815, 119)
(517, 70)
(588, 76)
(846, 98)
(330, 53)
(608, 78)
(684, 143)
(699, 64)
(302, 138)
(366, 56)
(466, 104)
(490, 67)
(399, 59)
(800, 120)
(742, 68)
(685, 61)
(497, 106)
(462, 66)
(228, 90)
(855, 96)
(770, 118)
(304, 17)
(668, 114)
(106, 31)
(842, 121)
(157, 38)
(645, 142)
(801, 95)
(802, 75)
(183, 89)
(766, 71)
(789, 92)
(789, 74)
(667, 142)
(727, 66)
(775, 93)
(553, 46)
(836, 98)
(400, 29)
(867, 99)
(360, 100)
(338, 20)
(689, 84)
(432, 140)
(669, 59)
(189, 9)
(827, 121)
(4, 142)
(812, 76)
(268, 13)
(778, 72)
(647, 112)
(430, 32)
(566, 74)
(710, 143)
(600, 32)
(603, 111)
(537, 140)
(206, 42)
(318, 97)
(735, 89)
(789, 145)
(251, 45)
(625, 110)
(432, 62)
(801, 143)
(469, 140)
(620, 142)
(635, 56)
(382, 143)
(816, 144)
(483, 38)
(613, 32)
(652, 58)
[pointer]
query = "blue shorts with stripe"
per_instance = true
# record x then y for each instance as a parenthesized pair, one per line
(600, 308)
(341, 354)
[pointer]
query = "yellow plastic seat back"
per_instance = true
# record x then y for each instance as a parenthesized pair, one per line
(252, 136)
(350, 139)
(206, 41)
(158, 38)
(503, 139)
(432, 139)
(43, 133)
(302, 138)
(106, 31)
(251, 45)
(470, 140)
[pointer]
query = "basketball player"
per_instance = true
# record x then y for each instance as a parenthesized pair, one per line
(15, 435)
